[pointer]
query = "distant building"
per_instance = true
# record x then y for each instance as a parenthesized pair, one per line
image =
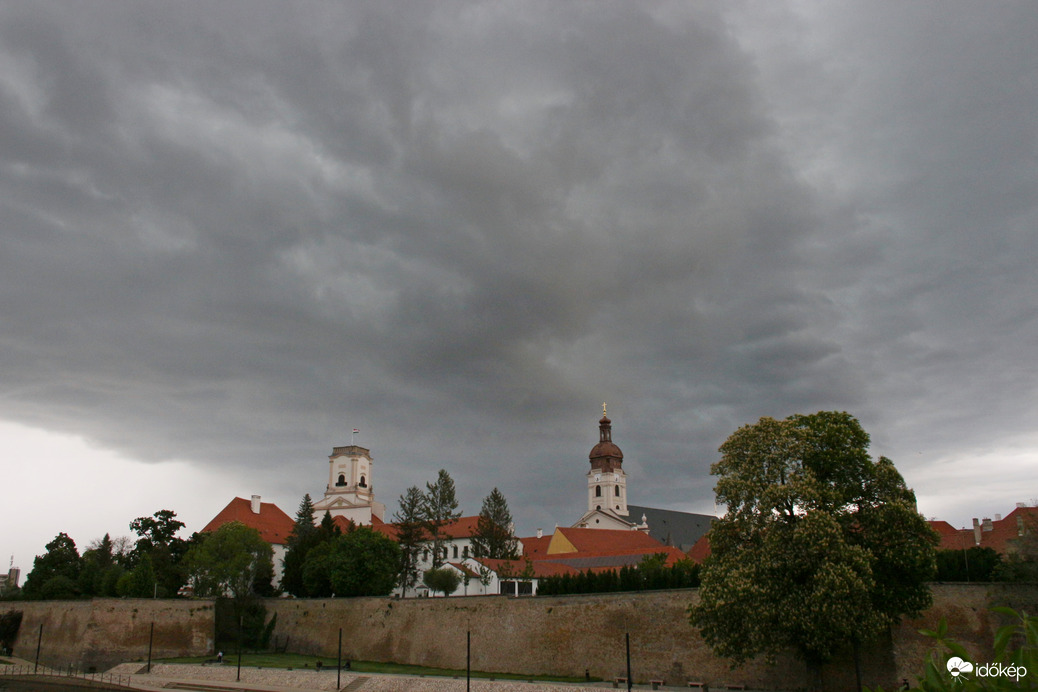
(273, 525)
(10, 580)
(607, 506)
(350, 492)
(1003, 535)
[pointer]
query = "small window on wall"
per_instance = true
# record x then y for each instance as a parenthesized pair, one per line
(598, 491)
(617, 489)
(425, 555)
(363, 483)
(455, 552)
(465, 551)
(342, 480)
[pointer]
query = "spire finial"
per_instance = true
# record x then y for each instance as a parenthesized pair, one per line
(604, 409)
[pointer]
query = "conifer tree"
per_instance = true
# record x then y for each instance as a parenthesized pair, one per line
(300, 541)
(441, 508)
(410, 524)
(493, 537)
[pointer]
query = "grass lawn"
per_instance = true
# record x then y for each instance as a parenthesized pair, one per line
(300, 662)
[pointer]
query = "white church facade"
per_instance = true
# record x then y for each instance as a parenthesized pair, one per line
(350, 492)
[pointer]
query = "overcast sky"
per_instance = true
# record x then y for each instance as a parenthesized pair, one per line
(232, 232)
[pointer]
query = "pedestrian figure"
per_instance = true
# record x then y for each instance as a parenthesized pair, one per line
(219, 657)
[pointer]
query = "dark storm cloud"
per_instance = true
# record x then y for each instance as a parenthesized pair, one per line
(232, 235)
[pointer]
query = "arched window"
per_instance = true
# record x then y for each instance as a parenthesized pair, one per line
(425, 555)
(616, 487)
(362, 483)
(342, 480)
(455, 552)
(598, 491)
(465, 551)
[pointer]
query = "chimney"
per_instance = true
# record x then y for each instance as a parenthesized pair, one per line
(998, 517)
(1021, 505)
(987, 524)
(255, 504)
(540, 533)
(976, 531)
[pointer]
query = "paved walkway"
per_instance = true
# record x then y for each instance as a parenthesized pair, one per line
(223, 678)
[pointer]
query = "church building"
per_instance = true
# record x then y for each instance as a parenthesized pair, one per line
(350, 492)
(607, 485)
(608, 508)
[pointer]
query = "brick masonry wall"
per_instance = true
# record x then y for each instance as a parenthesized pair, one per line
(568, 634)
(105, 631)
(550, 635)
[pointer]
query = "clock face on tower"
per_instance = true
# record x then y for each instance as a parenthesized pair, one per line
(598, 477)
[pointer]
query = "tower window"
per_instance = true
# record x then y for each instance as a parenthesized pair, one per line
(598, 491)
(342, 480)
(617, 489)
(362, 483)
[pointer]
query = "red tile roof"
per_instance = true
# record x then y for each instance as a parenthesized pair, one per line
(541, 568)
(700, 550)
(272, 523)
(608, 542)
(1001, 536)
(460, 528)
(535, 548)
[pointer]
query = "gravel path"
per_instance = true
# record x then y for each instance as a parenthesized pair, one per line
(289, 680)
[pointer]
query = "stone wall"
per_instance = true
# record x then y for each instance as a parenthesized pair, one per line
(563, 635)
(104, 631)
(567, 635)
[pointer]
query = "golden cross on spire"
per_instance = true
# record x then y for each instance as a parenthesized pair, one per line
(604, 410)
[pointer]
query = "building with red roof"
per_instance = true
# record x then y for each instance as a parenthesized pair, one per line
(1001, 534)
(273, 524)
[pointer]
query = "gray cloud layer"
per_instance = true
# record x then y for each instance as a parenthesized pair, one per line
(232, 233)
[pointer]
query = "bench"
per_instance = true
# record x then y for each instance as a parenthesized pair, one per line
(656, 684)
(699, 686)
(617, 681)
(735, 687)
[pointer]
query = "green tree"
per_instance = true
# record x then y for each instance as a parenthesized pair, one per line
(157, 538)
(493, 536)
(441, 508)
(365, 563)
(442, 579)
(820, 548)
(233, 559)
(410, 525)
(972, 564)
(97, 560)
(357, 563)
(61, 560)
(140, 582)
(303, 538)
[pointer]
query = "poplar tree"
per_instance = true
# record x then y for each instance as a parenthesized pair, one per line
(440, 509)
(493, 536)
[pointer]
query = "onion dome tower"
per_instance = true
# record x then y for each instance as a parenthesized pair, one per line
(606, 480)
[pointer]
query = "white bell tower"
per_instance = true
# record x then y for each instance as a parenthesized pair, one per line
(606, 480)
